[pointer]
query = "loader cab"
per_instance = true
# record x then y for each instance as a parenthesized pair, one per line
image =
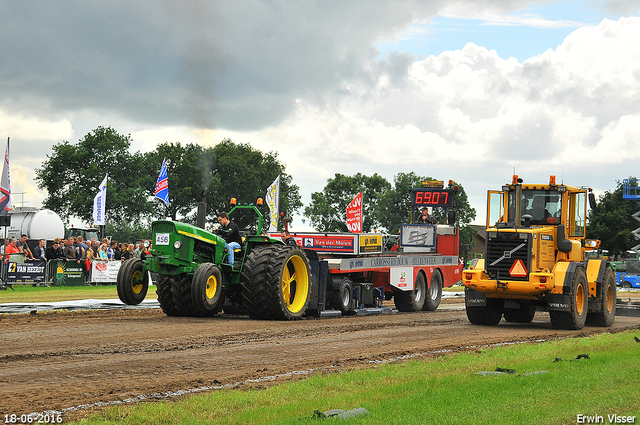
(532, 205)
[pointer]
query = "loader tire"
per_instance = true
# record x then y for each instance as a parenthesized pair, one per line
(165, 295)
(342, 296)
(411, 300)
(132, 282)
(206, 289)
(489, 315)
(579, 298)
(434, 294)
(524, 314)
(254, 275)
(607, 313)
(288, 283)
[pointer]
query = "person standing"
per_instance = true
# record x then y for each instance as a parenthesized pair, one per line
(230, 233)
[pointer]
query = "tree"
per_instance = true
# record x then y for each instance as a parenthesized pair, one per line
(327, 211)
(72, 173)
(611, 222)
(395, 204)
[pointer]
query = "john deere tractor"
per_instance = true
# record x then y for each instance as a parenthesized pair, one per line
(268, 280)
(534, 260)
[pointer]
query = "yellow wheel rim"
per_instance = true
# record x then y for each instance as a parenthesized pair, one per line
(610, 298)
(295, 284)
(580, 299)
(212, 286)
(136, 282)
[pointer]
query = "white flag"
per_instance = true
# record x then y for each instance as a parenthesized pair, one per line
(273, 197)
(5, 185)
(100, 203)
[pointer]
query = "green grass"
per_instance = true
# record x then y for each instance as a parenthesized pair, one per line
(31, 294)
(446, 390)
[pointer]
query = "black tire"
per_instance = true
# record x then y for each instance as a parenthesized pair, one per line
(165, 295)
(626, 285)
(206, 289)
(254, 275)
(579, 298)
(183, 298)
(342, 296)
(434, 294)
(489, 315)
(411, 300)
(288, 284)
(132, 282)
(607, 314)
(524, 314)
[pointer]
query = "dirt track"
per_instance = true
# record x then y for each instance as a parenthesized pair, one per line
(58, 361)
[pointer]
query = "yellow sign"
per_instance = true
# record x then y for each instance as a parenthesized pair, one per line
(370, 243)
(433, 183)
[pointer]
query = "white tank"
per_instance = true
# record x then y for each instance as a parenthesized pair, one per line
(36, 224)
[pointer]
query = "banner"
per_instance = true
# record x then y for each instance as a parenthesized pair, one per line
(273, 198)
(354, 214)
(100, 203)
(105, 272)
(5, 185)
(162, 185)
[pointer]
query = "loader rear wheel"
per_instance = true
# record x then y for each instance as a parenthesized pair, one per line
(288, 283)
(132, 282)
(342, 296)
(254, 275)
(607, 313)
(489, 315)
(577, 316)
(524, 314)
(165, 295)
(411, 300)
(434, 294)
(206, 289)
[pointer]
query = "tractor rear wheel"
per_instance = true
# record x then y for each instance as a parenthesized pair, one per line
(579, 298)
(254, 275)
(288, 283)
(206, 289)
(411, 300)
(607, 313)
(434, 294)
(342, 294)
(132, 282)
(165, 295)
(489, 315)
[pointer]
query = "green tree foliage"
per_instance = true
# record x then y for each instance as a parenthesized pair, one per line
(395, 204)
(611, 222)
(72, 174)
(327, 212)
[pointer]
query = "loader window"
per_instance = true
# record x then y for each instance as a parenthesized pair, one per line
(544, 206)
(578, 209)
(495, 208)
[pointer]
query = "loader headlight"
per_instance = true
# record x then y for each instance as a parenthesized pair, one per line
(177, 244)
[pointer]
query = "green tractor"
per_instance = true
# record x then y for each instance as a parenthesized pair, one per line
(268, 280)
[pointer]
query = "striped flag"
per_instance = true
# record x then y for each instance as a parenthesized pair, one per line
(162, 185)
(100, 203)
(273, 200)
(5, 185)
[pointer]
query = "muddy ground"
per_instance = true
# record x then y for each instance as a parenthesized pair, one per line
(76, 362)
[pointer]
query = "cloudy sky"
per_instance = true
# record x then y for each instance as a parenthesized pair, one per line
(467, 90)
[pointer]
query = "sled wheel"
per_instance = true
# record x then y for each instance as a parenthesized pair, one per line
(411, 300)
(342, 296)
(434, 295)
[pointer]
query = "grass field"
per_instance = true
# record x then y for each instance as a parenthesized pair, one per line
(442, 391)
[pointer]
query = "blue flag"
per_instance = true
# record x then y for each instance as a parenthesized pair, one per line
(162, 185)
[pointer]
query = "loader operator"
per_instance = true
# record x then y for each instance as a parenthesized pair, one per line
(230, 233)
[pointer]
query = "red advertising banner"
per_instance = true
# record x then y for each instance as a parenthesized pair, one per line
(354, 214)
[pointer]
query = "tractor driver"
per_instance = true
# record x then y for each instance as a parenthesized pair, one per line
(230, 233)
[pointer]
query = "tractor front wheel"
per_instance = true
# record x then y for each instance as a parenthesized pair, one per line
(206, 289)
(132, 282)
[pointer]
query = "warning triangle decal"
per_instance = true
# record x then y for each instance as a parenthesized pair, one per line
(518, 269)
